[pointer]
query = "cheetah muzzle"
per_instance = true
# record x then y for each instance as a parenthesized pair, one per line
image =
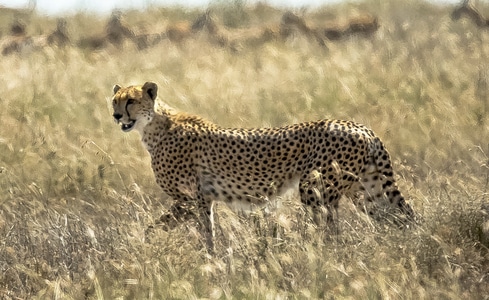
(128, 127)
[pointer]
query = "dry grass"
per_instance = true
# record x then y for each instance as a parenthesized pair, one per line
(78, 195)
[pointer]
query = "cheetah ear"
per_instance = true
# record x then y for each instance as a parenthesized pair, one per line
(116, 88)
(151, 89)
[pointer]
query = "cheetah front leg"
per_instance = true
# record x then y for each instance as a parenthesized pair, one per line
(206, 221)
(187, 209)
(181, 211)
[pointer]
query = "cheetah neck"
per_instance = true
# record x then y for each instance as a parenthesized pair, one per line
(153, 132)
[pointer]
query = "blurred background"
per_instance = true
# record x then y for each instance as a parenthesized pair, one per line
(78, 198)
(70, 6)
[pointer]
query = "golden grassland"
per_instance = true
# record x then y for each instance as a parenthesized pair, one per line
(78, 194)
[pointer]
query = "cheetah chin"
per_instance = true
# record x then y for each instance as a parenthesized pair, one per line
(128, 127)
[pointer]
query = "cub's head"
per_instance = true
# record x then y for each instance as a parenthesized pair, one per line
(134, 105)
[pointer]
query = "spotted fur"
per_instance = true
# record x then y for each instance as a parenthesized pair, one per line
(198, 162)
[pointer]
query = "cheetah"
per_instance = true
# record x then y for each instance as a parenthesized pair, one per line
(197, 162)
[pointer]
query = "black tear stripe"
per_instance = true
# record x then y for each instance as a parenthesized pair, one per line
(127, 111)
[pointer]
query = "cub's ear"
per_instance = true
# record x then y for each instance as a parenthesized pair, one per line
(116, 88)
(151, 89)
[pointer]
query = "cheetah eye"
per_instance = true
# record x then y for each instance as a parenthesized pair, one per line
(130, 101)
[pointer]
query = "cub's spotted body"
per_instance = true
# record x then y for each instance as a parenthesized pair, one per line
(197, 162)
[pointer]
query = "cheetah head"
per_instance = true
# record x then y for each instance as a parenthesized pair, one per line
(134, 105)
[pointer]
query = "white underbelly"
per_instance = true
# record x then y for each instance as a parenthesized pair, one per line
(268, 204)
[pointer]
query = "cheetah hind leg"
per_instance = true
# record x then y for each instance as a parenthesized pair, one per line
(322, 197)
(389, 187)
(372, 197)
(381, 196)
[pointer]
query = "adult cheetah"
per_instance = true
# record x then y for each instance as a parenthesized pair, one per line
(198, 162)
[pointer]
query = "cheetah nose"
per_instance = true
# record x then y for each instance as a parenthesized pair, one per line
(117, 116)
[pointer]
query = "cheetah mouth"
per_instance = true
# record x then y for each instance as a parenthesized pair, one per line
(128, 127)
